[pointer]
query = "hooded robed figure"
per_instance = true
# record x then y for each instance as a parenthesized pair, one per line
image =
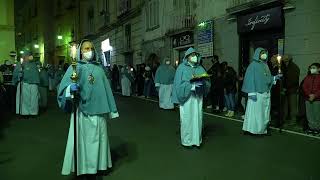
(96, 105)
(163, 81)
(58, 76)
(257, 83)
(51, 73)
(43, 86)
(126, 80)
(189, 95)
(27, 78)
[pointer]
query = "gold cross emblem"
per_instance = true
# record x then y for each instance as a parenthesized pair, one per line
(91, 79)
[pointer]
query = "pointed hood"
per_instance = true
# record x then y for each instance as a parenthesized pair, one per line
(188, 52)
(256, 56)
(95, 59)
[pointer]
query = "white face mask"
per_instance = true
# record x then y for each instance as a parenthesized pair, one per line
(194, 59)
(88, 55)
(263, 56)
(313, 71)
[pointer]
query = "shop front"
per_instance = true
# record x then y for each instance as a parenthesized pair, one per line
(180, 44)
(264, 29)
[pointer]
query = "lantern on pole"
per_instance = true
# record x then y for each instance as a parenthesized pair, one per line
(279, 58)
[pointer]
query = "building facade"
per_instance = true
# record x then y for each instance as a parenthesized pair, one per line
(235, 32)
(47, 28)
(115, 28)
(7, 29)
(147, 31)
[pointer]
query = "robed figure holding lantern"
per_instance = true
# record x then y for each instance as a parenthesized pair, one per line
(257, 83)
(95, 105)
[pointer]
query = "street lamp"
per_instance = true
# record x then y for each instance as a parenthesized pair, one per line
(59, 37)
(202, 24)
(21, 52)
(36, 46)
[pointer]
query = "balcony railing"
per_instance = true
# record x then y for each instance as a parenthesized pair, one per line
(235, 3)
(180, 21)
(235, 6)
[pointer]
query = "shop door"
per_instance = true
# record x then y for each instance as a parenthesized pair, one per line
(250, 43)
(182, 53)
(269, 42)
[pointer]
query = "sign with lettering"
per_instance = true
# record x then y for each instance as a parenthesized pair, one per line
(182, 39)
(281, 46)
(262, 20)
(205, 38)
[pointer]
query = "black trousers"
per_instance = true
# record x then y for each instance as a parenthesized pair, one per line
(217, 98)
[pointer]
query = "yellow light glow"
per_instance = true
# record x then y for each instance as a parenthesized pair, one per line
(279, 58)
(73, 51)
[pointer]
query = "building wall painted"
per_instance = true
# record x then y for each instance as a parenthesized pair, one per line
(302, 33)
(209, 9)
(7, 30)
(226, 41)
(155, 41)
(117, 34)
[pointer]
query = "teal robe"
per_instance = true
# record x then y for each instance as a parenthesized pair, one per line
(96, 98)
(30, 72)
(44, 77)
(258, 78)
(58, 76)
(182, 85)
(165, 74)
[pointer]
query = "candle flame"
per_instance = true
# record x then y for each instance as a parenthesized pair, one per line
(73, 51)
(279, 58)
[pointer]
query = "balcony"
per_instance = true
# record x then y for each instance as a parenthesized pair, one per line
(236, 6)
(235, 3)
(180, 22)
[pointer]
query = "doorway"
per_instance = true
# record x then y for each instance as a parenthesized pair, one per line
(269, 41)
(249, 43)
(181, 53)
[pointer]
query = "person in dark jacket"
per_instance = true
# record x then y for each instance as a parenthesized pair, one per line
(230, 89)
(216, 91)
(290, 86)
(148, 81)
(115, 77)
(140, 79)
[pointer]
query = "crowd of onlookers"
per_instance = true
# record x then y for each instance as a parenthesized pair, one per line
(289, 97)
(293, 103)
